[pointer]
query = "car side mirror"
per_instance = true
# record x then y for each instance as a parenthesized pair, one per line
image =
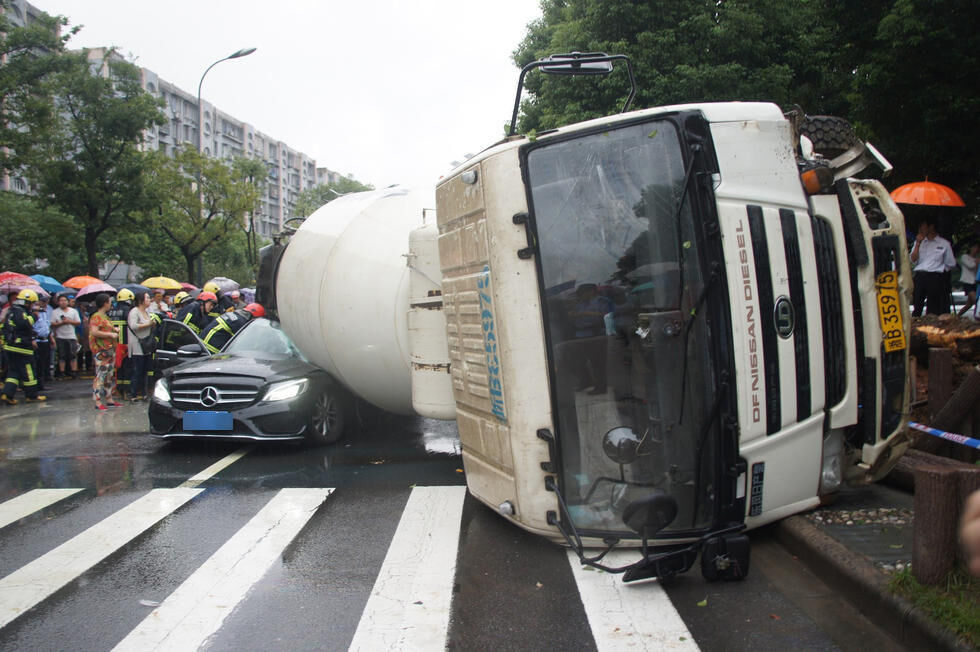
(194, 350)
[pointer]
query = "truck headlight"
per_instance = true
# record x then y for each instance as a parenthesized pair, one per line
(285, 390)
(161, 391)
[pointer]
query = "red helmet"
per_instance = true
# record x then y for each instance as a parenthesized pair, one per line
(207, 296)
(256, 309)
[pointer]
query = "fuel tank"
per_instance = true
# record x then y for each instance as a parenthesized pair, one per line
(343, 291)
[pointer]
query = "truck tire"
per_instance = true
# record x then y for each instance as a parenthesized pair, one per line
(830, 135)
(328, 416)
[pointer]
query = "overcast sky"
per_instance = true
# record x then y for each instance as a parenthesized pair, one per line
(388, 91)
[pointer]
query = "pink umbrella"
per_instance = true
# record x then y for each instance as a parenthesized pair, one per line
(94, 288)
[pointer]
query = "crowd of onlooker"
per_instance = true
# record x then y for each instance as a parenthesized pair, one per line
(113, 338)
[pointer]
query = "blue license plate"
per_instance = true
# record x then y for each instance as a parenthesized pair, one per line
(201, 420)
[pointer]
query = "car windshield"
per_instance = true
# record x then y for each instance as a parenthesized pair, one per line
(263, 336)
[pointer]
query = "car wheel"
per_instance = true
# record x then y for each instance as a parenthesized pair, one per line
(327, 417)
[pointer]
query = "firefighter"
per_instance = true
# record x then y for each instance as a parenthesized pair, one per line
(221, 329)
(19, 345)
(224, 304)
(195, 313)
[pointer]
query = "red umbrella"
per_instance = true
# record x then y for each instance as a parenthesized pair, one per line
(190, 287)
(79, 282)
(926, 193)
(11, 281)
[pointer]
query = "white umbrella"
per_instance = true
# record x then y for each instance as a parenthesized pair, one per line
(224, 284)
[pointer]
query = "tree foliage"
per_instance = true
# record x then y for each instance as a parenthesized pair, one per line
(900, 70)
(31, 56)
(313, 198)
(37, 238)
(198, 201)
(93, 168)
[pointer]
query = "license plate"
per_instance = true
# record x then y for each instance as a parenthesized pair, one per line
(202, 420)
(890, 312)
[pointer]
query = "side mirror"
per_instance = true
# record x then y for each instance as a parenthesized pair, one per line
(650, 514)
(194, 350)
(621, 445)
(573, 64)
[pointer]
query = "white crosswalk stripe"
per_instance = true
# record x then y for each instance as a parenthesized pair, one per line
(635, 616)
(34, 582)
(23, 505)
(409, 605)
(195, 611)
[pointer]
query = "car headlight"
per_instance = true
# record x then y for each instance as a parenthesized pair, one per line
(161, 391)
(285, 390)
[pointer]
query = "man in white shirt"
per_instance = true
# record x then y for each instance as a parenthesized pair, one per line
(932, 259)
(159, 304)
(63, 323)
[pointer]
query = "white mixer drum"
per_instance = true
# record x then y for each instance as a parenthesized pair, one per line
(343, 291)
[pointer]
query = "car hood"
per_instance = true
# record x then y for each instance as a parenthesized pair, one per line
(269, 367)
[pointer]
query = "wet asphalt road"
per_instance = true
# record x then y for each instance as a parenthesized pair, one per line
(510, 589)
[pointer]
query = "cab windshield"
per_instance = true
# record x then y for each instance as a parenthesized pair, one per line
(631, 376)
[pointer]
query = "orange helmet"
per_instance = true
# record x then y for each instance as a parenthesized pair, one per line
(256, 309)
(207, 296)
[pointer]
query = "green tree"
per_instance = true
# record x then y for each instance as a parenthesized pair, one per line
(683, 51)
(313, 198)
(200, 201)
(915, 95)
(37, 238)
(253, 171)
(31, 55)
(228, 257)
(93, 167)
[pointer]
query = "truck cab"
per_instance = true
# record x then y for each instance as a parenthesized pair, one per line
(657, 333)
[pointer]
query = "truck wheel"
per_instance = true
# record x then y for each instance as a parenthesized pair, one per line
(328, 417)
(830, 135)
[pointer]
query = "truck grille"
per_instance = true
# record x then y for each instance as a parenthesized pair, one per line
(834, 349)
(220, 394)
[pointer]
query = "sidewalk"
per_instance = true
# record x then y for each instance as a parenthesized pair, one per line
(856, 544)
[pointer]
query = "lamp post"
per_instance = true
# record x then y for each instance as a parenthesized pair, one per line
(244, 52)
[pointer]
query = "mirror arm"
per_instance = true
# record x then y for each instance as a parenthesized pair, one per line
(597, 58)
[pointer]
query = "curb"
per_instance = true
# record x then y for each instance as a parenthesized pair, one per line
(864, 586)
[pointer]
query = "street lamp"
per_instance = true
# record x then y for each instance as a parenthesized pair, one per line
(244, 52)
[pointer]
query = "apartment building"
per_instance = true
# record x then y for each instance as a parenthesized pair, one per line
(290, 171)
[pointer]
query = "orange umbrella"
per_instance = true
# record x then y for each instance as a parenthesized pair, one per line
(926, 193)
(78, 282)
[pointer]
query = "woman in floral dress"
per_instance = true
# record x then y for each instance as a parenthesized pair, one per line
(102, 339)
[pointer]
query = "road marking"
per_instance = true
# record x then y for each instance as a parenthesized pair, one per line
(196, 609)
(34, 582)
(634, 616)
(23, 505)
(213, 470)
(410, 602)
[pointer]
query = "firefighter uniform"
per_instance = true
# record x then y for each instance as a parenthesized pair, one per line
(118, 316)
(157, 320)
(224, 305)
(194, 316)
(219, 331)
(19, 347)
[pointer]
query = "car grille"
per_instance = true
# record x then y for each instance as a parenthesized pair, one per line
(226, 393)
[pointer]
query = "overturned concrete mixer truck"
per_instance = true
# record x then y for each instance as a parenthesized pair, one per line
(654, 330)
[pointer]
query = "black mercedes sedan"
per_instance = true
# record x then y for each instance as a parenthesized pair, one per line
(258, 387)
